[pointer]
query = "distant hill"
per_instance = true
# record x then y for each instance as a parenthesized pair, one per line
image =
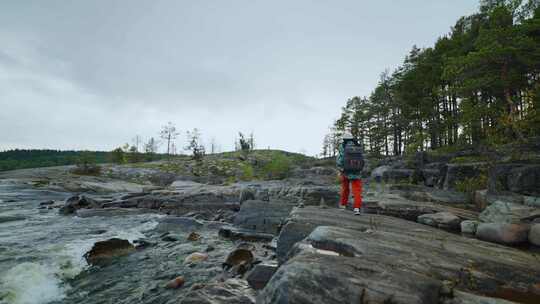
(22, 159)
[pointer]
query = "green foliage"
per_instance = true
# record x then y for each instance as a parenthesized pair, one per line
(478, 85)
(248, 173)
(87, 165)
(471, 184)
(279, 167)
(118, 156)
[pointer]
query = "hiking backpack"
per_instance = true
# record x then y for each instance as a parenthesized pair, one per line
(353, 159)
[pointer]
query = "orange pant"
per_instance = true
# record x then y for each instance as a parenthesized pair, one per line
(356, 189)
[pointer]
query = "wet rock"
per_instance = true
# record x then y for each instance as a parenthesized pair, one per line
(46, 203)
(380, 259)
(169, 238)
(193, 237)
(534, 235)
(505, 212)
(443, 220)
(11, 218)
(261, 274)
(105, 250)
(142, 244)
(107, 212)
(178, 224)
(244, 234)
(210, 248)
(240, 259)
(77, 202)
(469, 227)
(231, 291)
(262, 216)
(176, 283)
(503, 233)
(196, 257)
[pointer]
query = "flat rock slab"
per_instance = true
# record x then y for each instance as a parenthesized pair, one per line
(178, 224)
(378, 258)
(396, 205)
(262, 216)
(110, 212)
(244, 234)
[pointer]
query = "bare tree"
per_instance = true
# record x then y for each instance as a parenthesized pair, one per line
(194, 144)
(214, 147)
(137, 140)
(151, 146)
(169, 134)
(251, 141)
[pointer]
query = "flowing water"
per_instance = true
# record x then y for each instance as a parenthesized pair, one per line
(41, 254)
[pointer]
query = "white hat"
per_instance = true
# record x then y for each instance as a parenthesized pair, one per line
(347, 135)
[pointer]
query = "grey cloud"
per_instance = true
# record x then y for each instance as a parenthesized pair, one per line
(281, 69)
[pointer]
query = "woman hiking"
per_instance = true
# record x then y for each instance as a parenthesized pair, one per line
(350, 162)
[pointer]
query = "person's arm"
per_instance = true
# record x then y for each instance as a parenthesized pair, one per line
(339, 159)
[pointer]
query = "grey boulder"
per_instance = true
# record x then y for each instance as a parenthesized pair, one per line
(443, 220)
(503, 233)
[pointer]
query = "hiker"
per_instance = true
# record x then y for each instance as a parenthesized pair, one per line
(350, 162)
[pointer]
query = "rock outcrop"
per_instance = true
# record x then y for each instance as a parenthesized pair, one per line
(105, 250)
(262, 216)
(380, 259)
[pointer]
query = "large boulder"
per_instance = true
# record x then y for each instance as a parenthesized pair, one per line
(519, 178)
(104, 250)
(505, 212)
(377, 173)
(442, 220)
(380, 259)
(77, 202)
(262, 216)
(525, 180)
(503, 233)
(261, 274)
(469, 227)
(534, 235)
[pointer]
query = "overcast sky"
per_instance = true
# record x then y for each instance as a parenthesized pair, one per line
(93, 74)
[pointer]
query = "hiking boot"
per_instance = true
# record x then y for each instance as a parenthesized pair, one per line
(357, 211)
(342, 207)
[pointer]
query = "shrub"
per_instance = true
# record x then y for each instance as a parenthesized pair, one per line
(279, 167)
(86, 165)
(471, 184)
(247, 172)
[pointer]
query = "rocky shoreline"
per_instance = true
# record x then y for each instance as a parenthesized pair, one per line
(283, 241)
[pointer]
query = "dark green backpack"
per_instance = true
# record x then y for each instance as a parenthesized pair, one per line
(353, 158)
